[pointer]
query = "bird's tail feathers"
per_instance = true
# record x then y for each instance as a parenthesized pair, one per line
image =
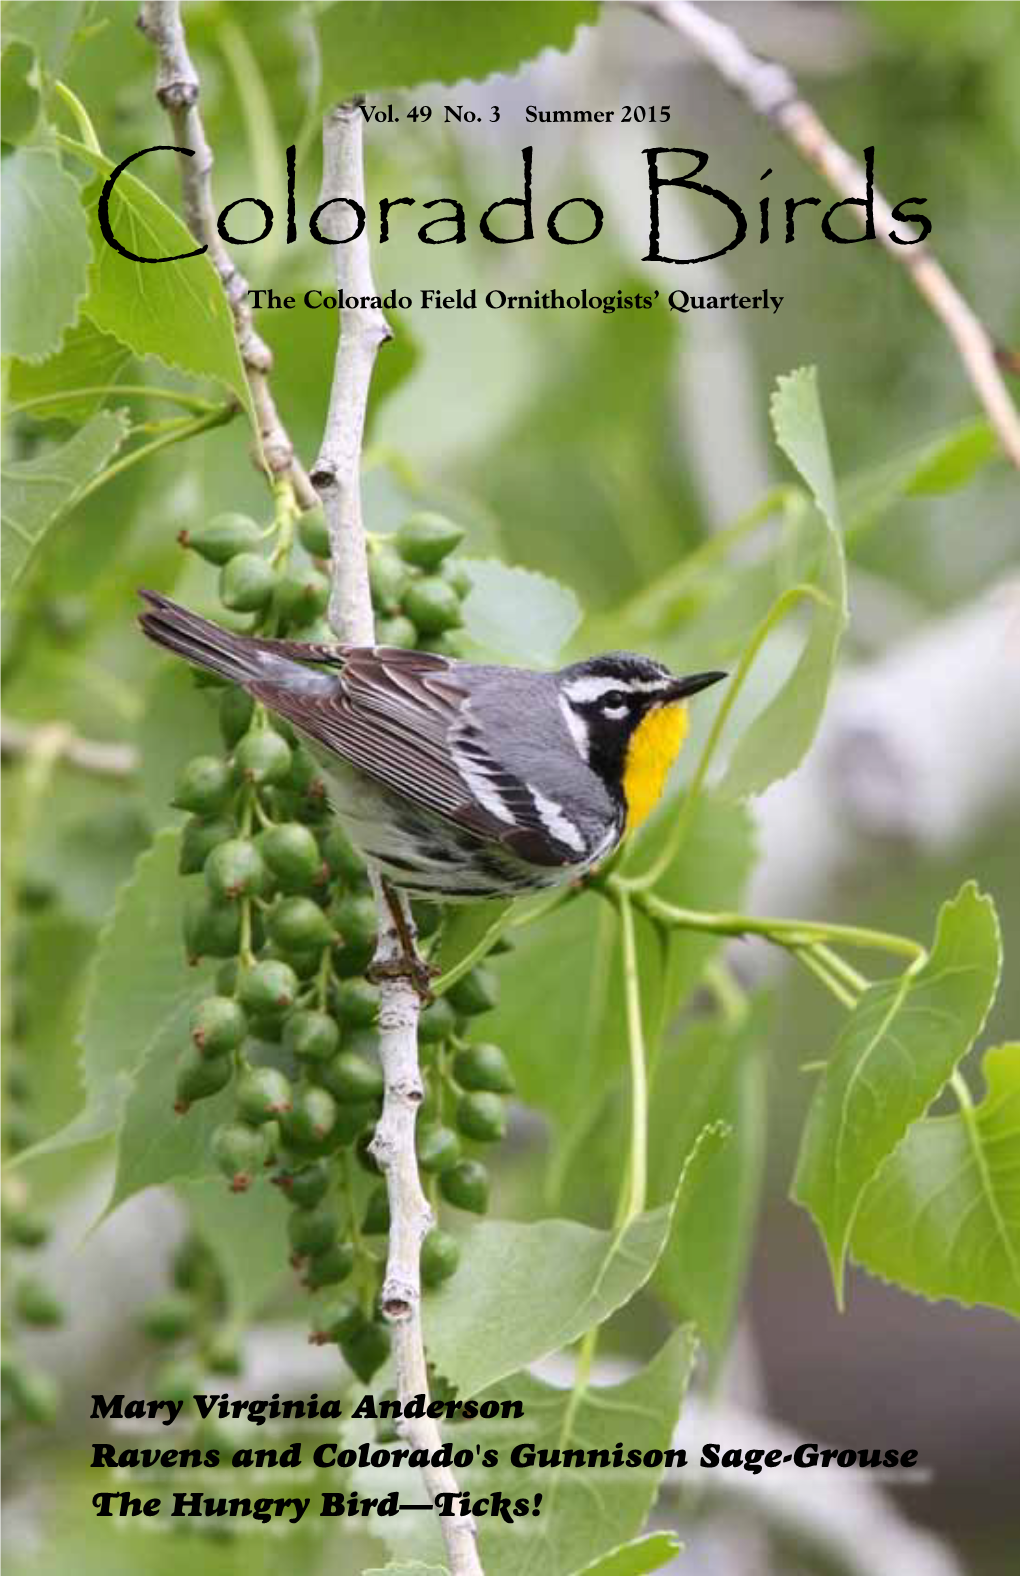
(240, 658)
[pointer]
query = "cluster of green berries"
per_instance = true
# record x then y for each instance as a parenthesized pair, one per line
(190, 1324)
(285, 908)
(27, 1393)
(417, 586)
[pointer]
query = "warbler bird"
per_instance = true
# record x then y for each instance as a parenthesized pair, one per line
(462, 780)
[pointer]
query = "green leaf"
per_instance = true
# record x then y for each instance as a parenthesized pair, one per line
(939, 465)
(139, 996)
(247, 1232)
(44, 252)
(518, 615)
(898, 1048)
(20, 99)
(373, 45)
(48, 26)
(87, 359)
(564, 972)
(942, 1217)
(174, 310)
(486, 1321)
(800, 432)
(711, 871)
(778, 739)
(40, 491)
(414, 1568)
(584, 1513)
(708, 1102)
(637, 1558)
(467, 926)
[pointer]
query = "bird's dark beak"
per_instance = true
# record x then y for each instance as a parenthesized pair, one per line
(690, 685)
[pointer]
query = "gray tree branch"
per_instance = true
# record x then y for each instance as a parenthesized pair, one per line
(337, 476)
(771, 92)
(177, 89)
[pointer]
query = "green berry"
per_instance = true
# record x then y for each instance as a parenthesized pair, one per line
(311, 1036)
(446, 645)
(312, 1231)
(314, 533)
(354, 1079)
(432, 605)
(312, 1117)
(440, 1255)
(193, 1266)
(293, 855)
(387, 577)
(262, 758)
(352, 1120)
(35, 1304)
(239, 1151)
(212, 929)
(477, 991)
(338, 1320)
(396, 631)
(33, 1394)
(247, 583)
(222, 1354)
(296, 924)
(268, 988)
(301, 595)
(227, 976)
(236, 711)
(459, 576)
(481, 1116)
(437, 1022)
(376, 1221)
(331, 1266)
(168, 1318)
(263, 1093)
(236, 869)
(357, 1004)
(26, 1228)
(355, 918)
(198, 839)
(177, 1381)
(364, 1155)
(220, 538)
(340, 854)
(218, 1025)
(438, 1148)
(198, 1077)
(484, 1067)
(307, 1187)
(204, 787)
(466, 1186)
(366, 1351)
(426, 538)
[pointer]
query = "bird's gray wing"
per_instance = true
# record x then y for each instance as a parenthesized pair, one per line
(403, 719)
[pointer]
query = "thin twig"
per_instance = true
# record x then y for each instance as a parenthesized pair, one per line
(177, 88)
(337, 476)
(88, 755)
(771, 91)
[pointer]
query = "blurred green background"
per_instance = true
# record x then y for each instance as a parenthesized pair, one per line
(600, 449)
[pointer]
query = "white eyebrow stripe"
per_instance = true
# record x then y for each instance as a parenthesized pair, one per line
(557, 822)
(592, 688)
(576, 727)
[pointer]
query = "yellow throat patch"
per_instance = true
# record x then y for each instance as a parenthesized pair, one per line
(654, 746)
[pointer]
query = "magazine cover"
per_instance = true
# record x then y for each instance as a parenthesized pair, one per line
(511, 733)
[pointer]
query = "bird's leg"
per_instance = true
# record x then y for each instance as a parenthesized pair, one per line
(409, 965)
